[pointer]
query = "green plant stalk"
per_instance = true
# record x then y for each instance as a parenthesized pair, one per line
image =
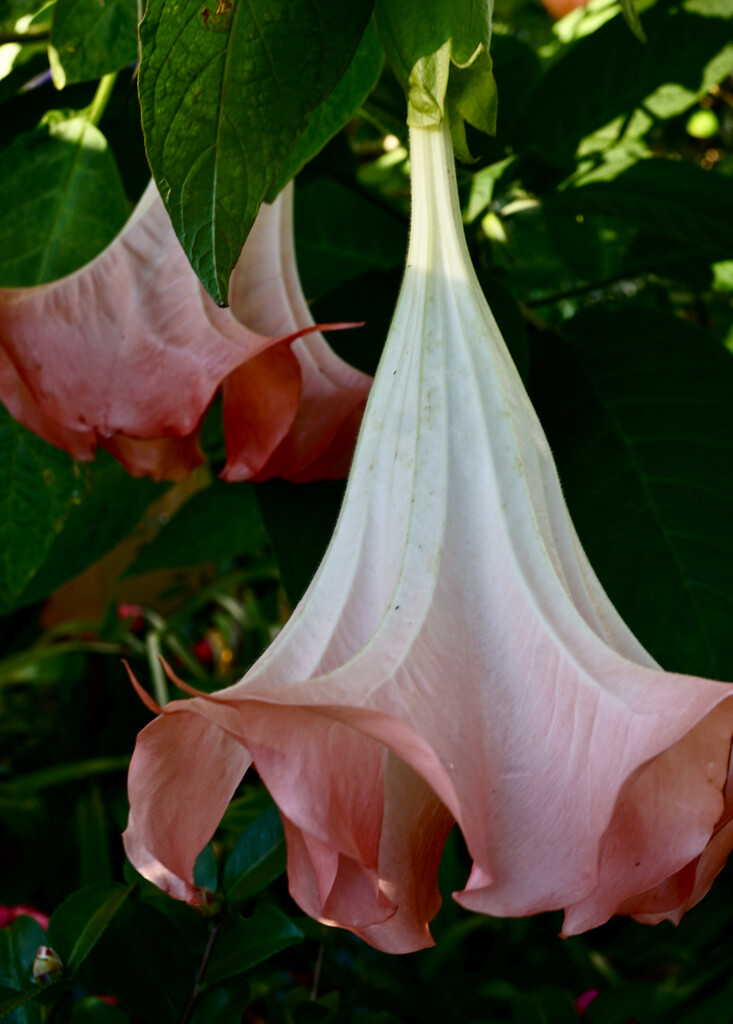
(160, 685)
(95, 110)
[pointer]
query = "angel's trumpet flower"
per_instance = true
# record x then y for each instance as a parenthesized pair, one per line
(454, 658)
(128, 352)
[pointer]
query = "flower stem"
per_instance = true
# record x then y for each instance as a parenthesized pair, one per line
(160, 686)
(200, 973)
(95, 110)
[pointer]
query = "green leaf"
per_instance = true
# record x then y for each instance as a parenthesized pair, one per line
(414, 29)
(109, 511)
(299, 519)
(206, 870)
(548, 1007)
(224, 1004)
(666, 197)
(341, 234)
(631, 16)
(37, 485)
(90, 39)
(20, 1007)
(688, 49)
(61, 774)
(12, 10)
(18, 947)
(369, 298)
(82, 919)
(640, 419)
(337, 109)
(62, 200)
(142, 959)
(91, 1010)
(424, 41)
(92, 826)
(215, 525)
(257, 858)
(226, 91)
(242, 943)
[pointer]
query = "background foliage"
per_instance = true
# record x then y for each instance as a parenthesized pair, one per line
(600, 218)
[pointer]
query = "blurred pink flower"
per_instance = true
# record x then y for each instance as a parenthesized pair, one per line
(129, 351)
(9, 914)
(584, 1000)
(454, 659)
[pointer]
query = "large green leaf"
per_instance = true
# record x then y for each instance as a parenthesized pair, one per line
(93, 832)
(144, 960)
(108, 511)
(90, 39)
(91, 1010)
(215, 525)
(225, 92)
(666, 197)
(341, 234)
(82, 919)
(37, 486)
(224, 1004)
(244, 942)
(258, 857)
(18, 947)
(299, 519)
(337, 109)
(640, 419)
(12, 10)
(62, 201)
(610, 80)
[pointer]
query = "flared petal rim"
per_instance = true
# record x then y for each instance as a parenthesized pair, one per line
(456, 627)
(129, 350)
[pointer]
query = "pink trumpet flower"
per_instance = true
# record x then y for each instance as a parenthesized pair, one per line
(129, 351)
(454, 659)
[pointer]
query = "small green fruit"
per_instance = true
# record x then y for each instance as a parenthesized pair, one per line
(703, 124)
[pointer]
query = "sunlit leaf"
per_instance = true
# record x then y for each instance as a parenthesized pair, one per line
(338, 108)
(226, 91)
(666, 197)
(688, 49)
(62, 201)
(90, 39)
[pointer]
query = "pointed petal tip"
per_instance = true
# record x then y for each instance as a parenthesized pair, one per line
(142, 693)
(180, 683)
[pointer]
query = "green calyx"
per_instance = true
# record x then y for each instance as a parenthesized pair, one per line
(439, 50)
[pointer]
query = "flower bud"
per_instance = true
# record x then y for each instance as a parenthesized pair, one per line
(210, 903)
(47, 966)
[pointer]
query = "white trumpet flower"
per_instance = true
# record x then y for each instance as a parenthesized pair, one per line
(454, 659)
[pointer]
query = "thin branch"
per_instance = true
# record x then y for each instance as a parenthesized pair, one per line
(200, 974)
